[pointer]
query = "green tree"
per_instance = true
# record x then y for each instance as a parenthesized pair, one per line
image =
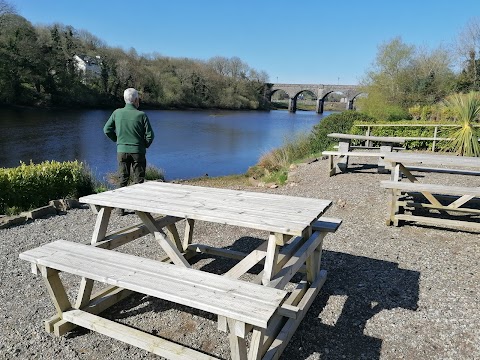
(19, 59)
(404, 76)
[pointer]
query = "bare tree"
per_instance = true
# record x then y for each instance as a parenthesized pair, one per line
(468, 48)
(5, 9)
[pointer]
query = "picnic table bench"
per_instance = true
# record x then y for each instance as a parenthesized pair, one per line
(438, 197)
(261, 306)
(338, 159)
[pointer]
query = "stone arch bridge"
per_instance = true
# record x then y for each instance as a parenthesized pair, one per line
(320, 91)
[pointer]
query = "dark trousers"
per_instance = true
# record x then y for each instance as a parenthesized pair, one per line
(128, 162)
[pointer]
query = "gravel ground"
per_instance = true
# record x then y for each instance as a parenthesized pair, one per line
(409, 292)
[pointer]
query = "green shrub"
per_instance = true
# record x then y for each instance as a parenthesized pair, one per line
(34, 185)
(334, 123)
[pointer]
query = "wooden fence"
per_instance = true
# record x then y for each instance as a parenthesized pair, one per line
(435, 137)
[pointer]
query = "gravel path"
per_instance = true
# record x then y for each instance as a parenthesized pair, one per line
(409, 292)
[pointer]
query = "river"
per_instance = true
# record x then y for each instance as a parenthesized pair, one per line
(187, 144)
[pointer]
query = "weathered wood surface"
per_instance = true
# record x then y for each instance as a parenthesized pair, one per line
(460, 199)
(433, 159)
(271, 212)
(432, 188)
(383, 139)
(129, 335)
(239, 300)
(354, 153)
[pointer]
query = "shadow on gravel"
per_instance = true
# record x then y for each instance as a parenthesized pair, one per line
(357, 288)
(367, 286)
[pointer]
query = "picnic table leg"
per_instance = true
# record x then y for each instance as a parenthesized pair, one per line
(59, 297)
(238, 347)
(313, 262)
(342, 163)
(99, 232)
(187, 239)
(256, 344)
(172, 234)
(383, 166)
(161, 237)
(333, 169)
(271, 259)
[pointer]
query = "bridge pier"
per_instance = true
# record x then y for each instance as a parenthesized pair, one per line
(319, 107)
(292, 105)
(349, 104)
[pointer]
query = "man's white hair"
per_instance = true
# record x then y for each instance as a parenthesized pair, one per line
(130, 95)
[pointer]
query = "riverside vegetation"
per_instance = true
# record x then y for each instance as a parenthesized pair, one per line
(28, 186)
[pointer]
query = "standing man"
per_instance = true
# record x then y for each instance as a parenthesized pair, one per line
(130, 128)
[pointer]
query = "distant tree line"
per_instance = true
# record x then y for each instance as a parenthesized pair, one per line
(37, 68)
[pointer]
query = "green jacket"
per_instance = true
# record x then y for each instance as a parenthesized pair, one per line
(130, 129)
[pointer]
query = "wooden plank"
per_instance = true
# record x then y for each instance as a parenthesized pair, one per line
(172, 251)
(140, 339)
(439, 222)
(443, 170)
(363, 147)
(248, 262)
(296, 261)
(188, 234)
(238, 347)
(433, 159)
(101, 224)
(278, 321)
(99, 302)
(385, 139)
(256, 343)
(285, 335)
(408, 203)
(271, 258)
(293, 213)
(237, 218)
(239, 300)
(55, 288)
(432, 188)
(205, 249)
(326, 224)
(127, 234)
(354, 153)
(161, 190)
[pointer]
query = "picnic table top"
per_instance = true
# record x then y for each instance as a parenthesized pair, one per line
(433, 159)
(271, 212)
(386, 139)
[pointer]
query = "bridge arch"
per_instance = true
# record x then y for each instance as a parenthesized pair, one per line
(321, 91)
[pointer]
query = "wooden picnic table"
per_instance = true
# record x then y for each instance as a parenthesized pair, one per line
(439, 197)
(344, 150)
(294, 244)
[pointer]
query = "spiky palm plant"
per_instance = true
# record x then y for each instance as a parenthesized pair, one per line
(466, 110)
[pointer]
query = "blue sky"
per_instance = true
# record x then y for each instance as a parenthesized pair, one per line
(309, 42)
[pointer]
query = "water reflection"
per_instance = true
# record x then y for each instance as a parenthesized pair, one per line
(187, 143)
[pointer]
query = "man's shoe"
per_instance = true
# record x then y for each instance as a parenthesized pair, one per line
(119, 212)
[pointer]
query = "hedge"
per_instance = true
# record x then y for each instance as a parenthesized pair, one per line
(29, 186)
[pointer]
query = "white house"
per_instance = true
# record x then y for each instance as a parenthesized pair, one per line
(89, 66)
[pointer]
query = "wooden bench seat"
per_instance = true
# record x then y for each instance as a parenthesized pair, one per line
(239, 301)
(459, 199)
(364, 147)
(342, 159)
